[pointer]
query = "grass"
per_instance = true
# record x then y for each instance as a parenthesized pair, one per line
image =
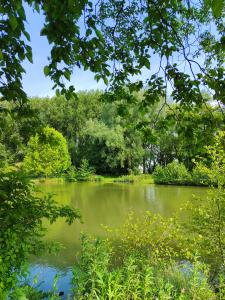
(142, 178)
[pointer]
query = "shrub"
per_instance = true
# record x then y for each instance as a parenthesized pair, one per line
(173, 173)
(143, 178)
(21, 214)
(96, 178)
(158, 238)
(47, 154)
(71, 174)
(85, 172)
(202, 175)
(97, 277)
(126, 179)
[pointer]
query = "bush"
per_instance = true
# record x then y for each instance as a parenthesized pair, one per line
(202, 175)
(21, 214)
(47, 154)
(143, 178)
(96, 178)
(126, 179)
(97, 277)
(71, 174)
(173, 173)
(85, 172)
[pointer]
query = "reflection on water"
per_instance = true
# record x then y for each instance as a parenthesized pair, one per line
(107, 204)
(45, 275)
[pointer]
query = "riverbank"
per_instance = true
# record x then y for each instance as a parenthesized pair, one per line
(142, 178)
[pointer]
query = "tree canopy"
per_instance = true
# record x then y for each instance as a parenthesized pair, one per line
(116, 40)
(47, 153)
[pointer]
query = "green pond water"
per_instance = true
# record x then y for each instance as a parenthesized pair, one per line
(101, 204)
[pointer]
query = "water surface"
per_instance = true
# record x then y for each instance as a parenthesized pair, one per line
(102, 204)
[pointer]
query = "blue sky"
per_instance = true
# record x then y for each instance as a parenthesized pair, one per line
(34, 81)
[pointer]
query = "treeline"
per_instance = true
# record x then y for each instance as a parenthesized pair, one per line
(116, 137)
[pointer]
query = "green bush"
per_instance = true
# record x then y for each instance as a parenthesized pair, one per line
(173, 173)
(21, 214)
(126, 179)
(97, 277)
(47, 154)
(71, 174)
(202, 175)
(96, 178)
(85, 172)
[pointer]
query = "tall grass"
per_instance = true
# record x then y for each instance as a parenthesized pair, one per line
(97, 277)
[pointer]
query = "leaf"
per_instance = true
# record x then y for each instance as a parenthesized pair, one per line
(99, 35)
(67, 74)
(217, 7)
(147, 64)
(29, 56)
(13, 22)
(1, 55)
(46, 70)
(27, 35)
(36, 7)
(57, 92)
(105, 81)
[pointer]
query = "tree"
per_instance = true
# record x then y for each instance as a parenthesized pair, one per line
(138, 32)
(207, 216)
(69, 118)
(21, 231)
(47, 154)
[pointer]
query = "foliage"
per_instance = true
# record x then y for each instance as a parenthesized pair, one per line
(141, 178)
(106, 49)
(47, 154)
(207, 221)
(135, 278)
(21, 231)
(157, 238)
(84, 172)
(4, 156)
(28, 292)
(202, 175)
(71, 174)
(126, 179)
(173, 173)
(182, 133)
(116, 138)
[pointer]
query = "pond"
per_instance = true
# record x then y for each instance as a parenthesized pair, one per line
(100, 204)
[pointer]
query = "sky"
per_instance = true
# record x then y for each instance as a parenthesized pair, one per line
(34, 81)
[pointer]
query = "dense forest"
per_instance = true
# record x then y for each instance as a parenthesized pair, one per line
(118, 138)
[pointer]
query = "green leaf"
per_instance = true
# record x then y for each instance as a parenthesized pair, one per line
(217, 7)
(13, 22)
(147, 64)
(1, 55)
(37, 8)
(29, 57)
(105, 81)
(27, 35)
(99, 35)
(67, 74)
(46, 70)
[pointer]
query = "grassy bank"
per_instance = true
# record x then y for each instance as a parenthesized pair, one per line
(142, 178)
